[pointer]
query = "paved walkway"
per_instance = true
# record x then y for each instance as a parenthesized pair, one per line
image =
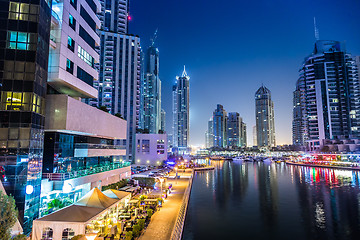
(163, 221)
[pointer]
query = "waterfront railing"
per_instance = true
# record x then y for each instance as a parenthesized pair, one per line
(180, 221)
(84, 172)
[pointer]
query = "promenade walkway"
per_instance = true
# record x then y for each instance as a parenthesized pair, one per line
(163, 221)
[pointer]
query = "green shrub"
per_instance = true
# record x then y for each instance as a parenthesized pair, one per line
(8, 215)
(141, 223)
(149, 213)
(129, 235)
(20, 237)
(136, 230)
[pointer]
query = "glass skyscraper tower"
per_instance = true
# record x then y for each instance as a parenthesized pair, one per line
(220, 126)
(181, 107)
(152, 91)
(264, 113)
(24, 51)
(327, 96)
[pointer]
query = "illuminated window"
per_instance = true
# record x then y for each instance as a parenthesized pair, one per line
(335, 100)
(72, 22)
(68, 234)
(71, 44)
(73, 3)
(85, 56)
(69, 66)
(23, 11)
(21, 40)
(47, 234)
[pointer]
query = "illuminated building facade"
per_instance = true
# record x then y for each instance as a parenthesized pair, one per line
(119, 68)
(25, 29)
(152, 91)
(163, 121)
(220, 126)
(83, 145)
(181, 107)
(236, 130)
(209, 135)
(264, 113)
(328, 96)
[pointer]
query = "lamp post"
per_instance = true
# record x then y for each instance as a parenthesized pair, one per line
(161, 183)
(176, 173)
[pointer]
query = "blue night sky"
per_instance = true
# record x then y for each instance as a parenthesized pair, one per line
(232, 47)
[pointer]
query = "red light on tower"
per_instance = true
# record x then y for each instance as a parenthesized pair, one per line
(129, 18)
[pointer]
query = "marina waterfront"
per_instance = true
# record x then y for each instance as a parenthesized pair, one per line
(258, 200)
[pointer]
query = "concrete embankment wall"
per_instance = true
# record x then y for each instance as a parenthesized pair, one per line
(180, 220)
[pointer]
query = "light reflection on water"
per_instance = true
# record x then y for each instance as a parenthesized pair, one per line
(273, 201)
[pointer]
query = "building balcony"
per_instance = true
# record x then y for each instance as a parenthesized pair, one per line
(96, 150)
(84, 172)
(66, 114)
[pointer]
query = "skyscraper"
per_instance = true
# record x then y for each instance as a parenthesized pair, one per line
(254, 136)
(209, 134)
(220, 126)
(152, 91)
(163, 121)
(327, 96)
(297, 123)
(236, 131)
(25, 36)
(119, 68)
(264, 113)
(181, 107)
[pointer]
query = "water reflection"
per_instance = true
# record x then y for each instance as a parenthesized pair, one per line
(329, 201)
(273, 201)
(268, 193)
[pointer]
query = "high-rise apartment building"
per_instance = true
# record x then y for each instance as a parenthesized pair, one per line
(264, 113)
(82, 144)
(236, 131)
(119, 68)
(163, 121)
(151, 96)
(298, 121)
(220, 126)
(209, 134)
(327, 96)
(25, 33)
(254, 136)
(181, 107)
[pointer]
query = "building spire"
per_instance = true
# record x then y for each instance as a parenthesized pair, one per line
(316, 30)
(184, 74)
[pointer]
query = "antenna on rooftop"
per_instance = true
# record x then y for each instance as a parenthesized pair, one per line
(316, 30)
(153, 39)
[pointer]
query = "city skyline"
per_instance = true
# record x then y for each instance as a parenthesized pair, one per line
(258, 36)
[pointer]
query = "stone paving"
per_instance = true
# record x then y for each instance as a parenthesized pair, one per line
(163, 221)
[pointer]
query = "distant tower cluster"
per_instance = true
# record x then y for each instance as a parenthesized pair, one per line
(327, 96)
(226, 130)
(181, 107)
(264, 113)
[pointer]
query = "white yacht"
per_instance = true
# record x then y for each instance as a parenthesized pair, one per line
(238, 159)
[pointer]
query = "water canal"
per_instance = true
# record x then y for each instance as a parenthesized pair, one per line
(273, 201)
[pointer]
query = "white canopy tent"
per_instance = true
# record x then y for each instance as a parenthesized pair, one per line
(74, 217)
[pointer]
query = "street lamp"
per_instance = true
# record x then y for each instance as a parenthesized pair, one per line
(176, 174)
(161, 184)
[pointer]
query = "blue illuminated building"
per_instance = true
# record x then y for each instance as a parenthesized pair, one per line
(25, 28)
